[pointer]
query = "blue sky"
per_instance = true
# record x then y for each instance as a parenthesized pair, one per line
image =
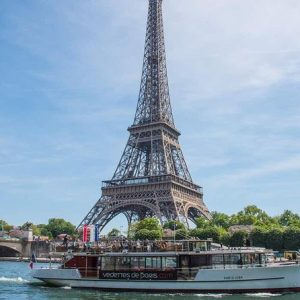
(69, 81)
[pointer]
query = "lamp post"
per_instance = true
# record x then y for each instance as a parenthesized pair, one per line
(174, 232)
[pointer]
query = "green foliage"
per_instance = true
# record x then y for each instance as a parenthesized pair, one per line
(2, 222)
(26, 226)
(114, 233)
(36, 230)
(4, 226)
(58, 226)
(214, 233)
(289, 219)
(238, 239)
(7, 227)
(202, 223)
(258, 237)
(174, 225)
(220, 220)
(225, 238)
(181, 234)
(45, 232)
(146, 234)
(149, 228)
(291, 238)
(278, 233)
(251, 215)
(274, 239)
(149, 223)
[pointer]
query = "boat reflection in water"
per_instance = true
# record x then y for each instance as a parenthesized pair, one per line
(187, 266)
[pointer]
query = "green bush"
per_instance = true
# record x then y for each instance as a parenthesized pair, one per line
(207, 233)
(145, 234)
(258, 237)
(238, 239)
(291, 238)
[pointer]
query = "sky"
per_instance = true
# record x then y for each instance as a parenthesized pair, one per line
(69, 82)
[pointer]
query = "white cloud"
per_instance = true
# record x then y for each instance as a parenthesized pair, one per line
(270, 168)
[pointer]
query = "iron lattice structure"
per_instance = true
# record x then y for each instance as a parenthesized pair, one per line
(152, 178)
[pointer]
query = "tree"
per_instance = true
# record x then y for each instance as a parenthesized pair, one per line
(149, 223)
(289, 218)
(274, 239)
(114, 233)
(174, 225)
(26, 226)
(258, 237)
(251, 215)
(4, 226)
(181, 234)
(220, 219)
(36, 229)
(58, 226)
(202, 223)
(238, 239)
(2, 222)
(46, 232)
(146, 234)
(207, 233)
(149, 228)
(291, 238)
(225, 238)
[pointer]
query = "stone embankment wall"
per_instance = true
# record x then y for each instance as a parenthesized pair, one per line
(41, 248)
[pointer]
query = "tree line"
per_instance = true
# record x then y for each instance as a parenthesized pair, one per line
(257, 228)
(251, 226)
(52, 229)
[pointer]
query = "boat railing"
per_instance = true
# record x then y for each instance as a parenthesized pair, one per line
(124, 246)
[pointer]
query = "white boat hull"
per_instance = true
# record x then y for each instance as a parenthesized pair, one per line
(274, 278)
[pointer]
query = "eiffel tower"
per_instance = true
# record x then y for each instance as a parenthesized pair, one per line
(152, 178)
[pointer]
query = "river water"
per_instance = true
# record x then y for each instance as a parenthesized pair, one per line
(15, 283)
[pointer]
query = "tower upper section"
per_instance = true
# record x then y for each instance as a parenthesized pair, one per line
(154, 99)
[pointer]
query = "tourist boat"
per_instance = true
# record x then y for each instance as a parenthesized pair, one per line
(192, 267)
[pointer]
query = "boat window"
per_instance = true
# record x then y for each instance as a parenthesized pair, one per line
(122, 263)
(250, 258)
(218, 259)
(169, 262)
(137, 263)
(254, 259)
(156, 263)
(153, 262)
(263, 259)
(148, 263)
(184, 262)
(108, 263)
(232, 259)
(199, 260)
(201, 246)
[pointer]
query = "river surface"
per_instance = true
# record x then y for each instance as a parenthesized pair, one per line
(15, 283)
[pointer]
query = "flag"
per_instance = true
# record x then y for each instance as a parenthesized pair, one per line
(96, 232)
(92, 233)
(85, 231)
